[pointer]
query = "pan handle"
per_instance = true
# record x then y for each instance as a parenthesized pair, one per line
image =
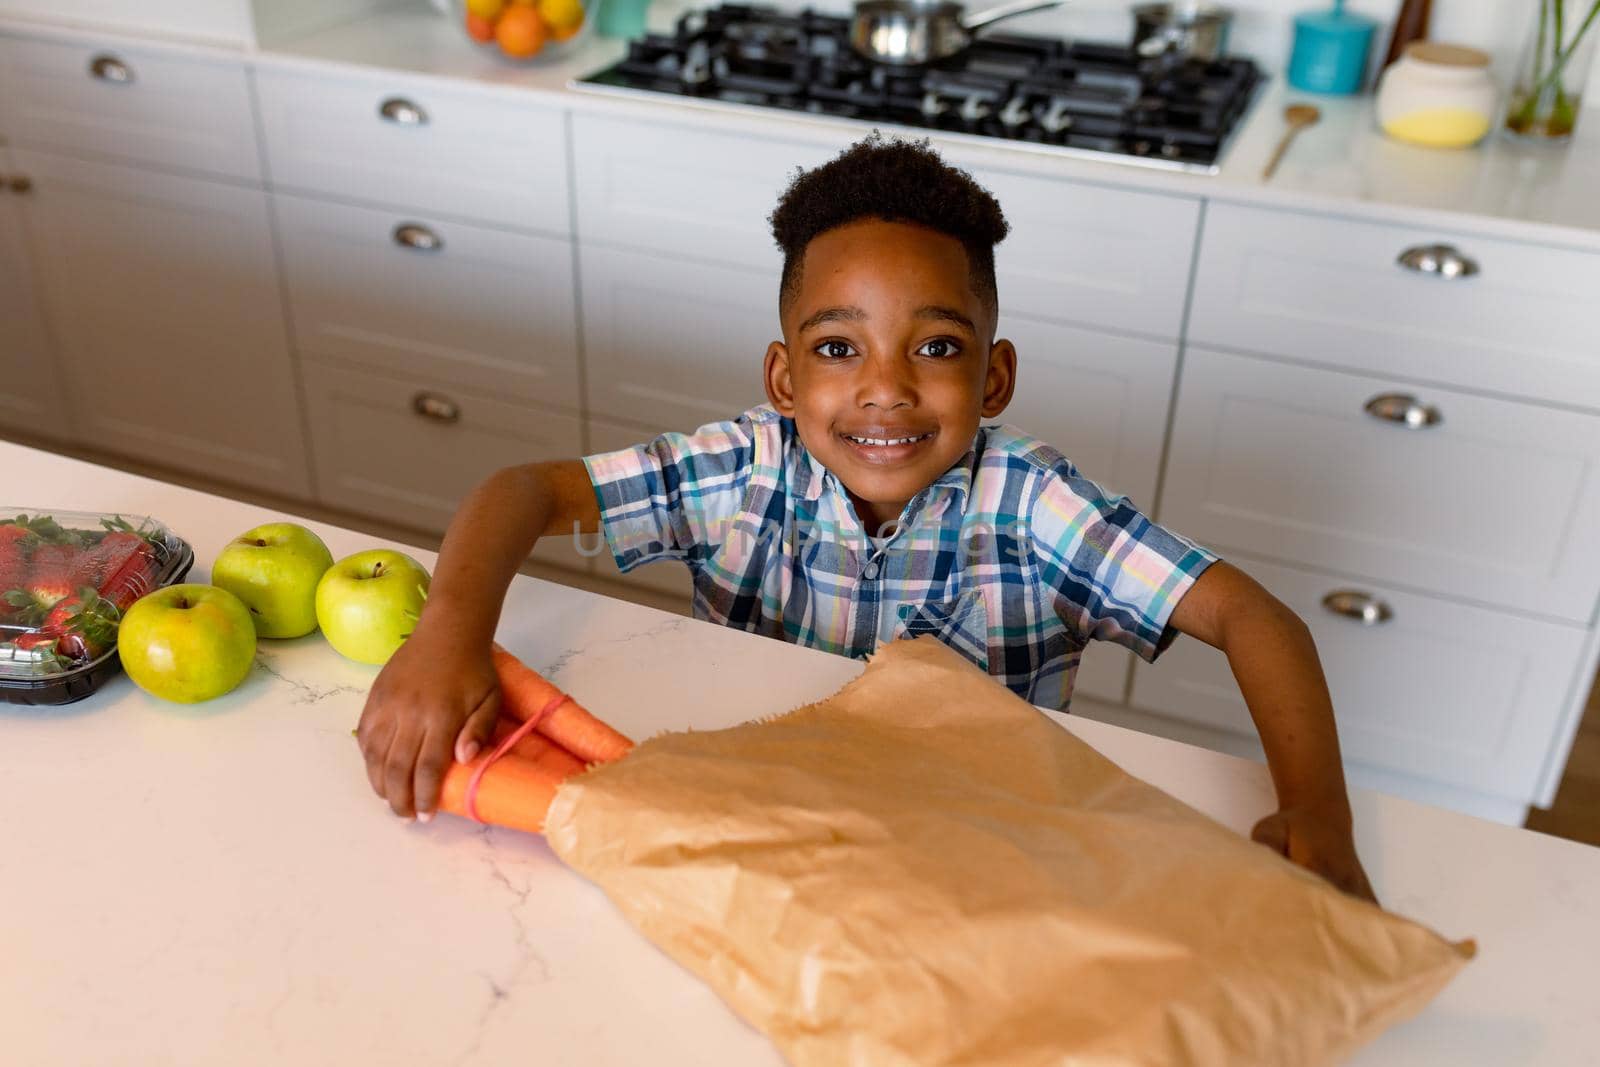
(1005, 11)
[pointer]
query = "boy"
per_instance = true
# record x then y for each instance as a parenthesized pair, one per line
(864, 503)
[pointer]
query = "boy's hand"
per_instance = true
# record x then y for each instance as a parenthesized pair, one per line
(1320, 842)
(432, 702)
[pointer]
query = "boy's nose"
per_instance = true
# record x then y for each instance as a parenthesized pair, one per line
(885, 383)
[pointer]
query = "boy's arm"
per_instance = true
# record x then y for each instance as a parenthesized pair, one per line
(437, 697)
(1275, 663)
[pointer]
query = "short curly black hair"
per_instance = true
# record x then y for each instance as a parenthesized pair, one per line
(897, 181)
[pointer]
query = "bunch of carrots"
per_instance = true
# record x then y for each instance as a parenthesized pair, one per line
(517, 779)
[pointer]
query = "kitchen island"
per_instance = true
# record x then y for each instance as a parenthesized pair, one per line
(218, 884)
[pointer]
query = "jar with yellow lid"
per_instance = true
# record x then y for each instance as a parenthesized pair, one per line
(1439, 95)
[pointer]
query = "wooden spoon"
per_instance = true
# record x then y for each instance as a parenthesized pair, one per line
(1298, 116)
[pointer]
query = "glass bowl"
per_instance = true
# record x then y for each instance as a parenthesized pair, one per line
(525, 31)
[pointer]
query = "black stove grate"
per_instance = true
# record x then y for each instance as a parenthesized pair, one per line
(1096, 97)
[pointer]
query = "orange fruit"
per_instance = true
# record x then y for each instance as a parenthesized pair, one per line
(562, 16)
(486, 9)
(479, 28)
(520, 32)
(566, 34)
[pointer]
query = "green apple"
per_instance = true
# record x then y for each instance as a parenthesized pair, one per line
(275, 569)
(367, 603)
(187, 643)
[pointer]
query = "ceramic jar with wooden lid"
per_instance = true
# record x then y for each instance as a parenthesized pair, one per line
(1439, 95)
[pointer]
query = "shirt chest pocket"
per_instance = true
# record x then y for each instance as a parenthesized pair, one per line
(963, 624)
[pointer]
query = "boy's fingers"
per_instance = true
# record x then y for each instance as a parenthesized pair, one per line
(478, 730)
(374, 741)
(432, 760)
(399, 769)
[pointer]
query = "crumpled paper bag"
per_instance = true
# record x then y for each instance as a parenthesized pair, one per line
(924, 869)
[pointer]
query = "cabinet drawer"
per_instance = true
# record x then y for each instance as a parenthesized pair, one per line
(408, 452)
(1077, 253)
(685, 191)
(1442, 691)
(128, 103)
(1332, 291)
(479, 308)
(1088, 254)
(389, 141)
(1495, 502)
(669, 348)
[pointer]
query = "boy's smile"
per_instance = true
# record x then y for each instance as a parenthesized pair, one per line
(887, 362)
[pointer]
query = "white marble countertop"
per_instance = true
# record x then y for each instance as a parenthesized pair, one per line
(218, 884)
(1343, 165)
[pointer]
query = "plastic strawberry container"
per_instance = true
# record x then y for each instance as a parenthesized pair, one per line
(66, 577)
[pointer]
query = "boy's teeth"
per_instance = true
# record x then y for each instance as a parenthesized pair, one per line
(886, 440)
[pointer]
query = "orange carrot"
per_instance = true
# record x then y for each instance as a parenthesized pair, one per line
(538, 749)
(523, 694)
(514, 792)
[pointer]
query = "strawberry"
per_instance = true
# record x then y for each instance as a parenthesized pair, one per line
(48, 581)
(84, 624)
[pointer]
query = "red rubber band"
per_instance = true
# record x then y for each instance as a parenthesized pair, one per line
(506, 746)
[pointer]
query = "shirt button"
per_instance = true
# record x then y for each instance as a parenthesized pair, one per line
(870, 571)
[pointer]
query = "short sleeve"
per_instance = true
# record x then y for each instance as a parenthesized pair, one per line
(1114, 575)
(674, 497)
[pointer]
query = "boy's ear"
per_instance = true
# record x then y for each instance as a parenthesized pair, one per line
(1001, 380)
(780, 387)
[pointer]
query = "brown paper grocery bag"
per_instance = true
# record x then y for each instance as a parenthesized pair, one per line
(923, 869)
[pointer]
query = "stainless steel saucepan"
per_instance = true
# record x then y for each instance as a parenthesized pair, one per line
(908, 33)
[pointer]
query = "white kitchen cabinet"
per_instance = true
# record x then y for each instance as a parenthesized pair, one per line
(408, 451)
(1330, 290)
(1439, 691)
(31, 398)
(163, 295)
(1497, 502)
(107, 100)
(672, 348)
(667, 577)
(409, 143)
(483, 309)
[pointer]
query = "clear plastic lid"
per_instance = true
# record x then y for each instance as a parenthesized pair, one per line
(66, 577)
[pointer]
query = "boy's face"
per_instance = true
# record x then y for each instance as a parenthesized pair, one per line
(886, 341)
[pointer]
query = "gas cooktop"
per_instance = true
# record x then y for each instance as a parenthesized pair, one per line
(1064, 96)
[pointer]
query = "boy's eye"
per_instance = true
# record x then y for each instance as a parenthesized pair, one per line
(940, 348)
(835, 349)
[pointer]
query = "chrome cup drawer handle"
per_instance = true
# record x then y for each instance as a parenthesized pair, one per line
(110, 69)
(1441, 261)
(412, 235)
(1404, 409)
(402, 112)
(1365, 609)
(436, 407)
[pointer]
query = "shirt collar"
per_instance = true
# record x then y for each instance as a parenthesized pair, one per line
(951, 487)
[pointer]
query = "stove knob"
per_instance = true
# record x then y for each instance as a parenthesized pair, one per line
(1056, 120)
(974, 109)
(1016, 112)
(932, 106)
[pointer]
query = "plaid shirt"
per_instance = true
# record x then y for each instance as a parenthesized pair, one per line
(1010, 557)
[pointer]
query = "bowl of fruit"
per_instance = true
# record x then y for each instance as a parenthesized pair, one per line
(65, 580)
(525, 31)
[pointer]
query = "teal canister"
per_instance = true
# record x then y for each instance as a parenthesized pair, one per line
(1330, 50)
